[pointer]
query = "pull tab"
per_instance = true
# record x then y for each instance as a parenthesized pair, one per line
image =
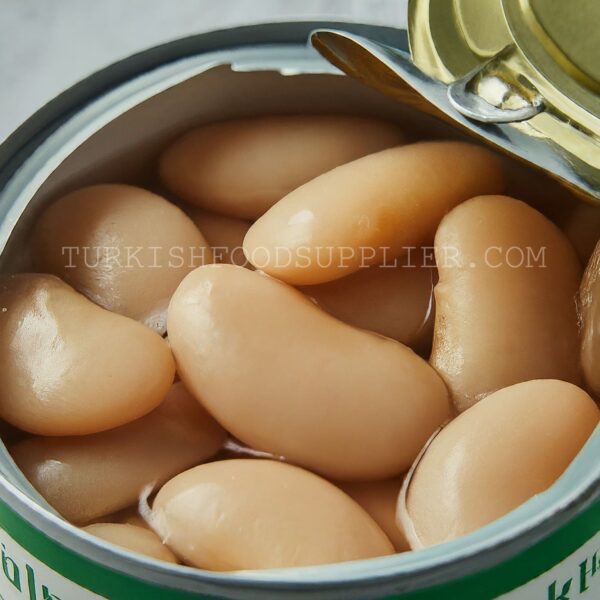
(487, 104)
(388, 70)
(490, 94)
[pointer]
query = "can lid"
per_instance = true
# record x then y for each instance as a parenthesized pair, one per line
(520, 75)
(557, 44)
(533, 64)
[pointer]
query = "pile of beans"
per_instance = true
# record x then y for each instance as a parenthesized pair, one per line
(330, 343)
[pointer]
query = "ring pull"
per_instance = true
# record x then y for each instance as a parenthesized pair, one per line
(491, 94)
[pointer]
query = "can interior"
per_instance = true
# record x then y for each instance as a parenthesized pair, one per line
(117, 139)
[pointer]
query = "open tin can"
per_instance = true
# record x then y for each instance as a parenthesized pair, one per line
(111, 128)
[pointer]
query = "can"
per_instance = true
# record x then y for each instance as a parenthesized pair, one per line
(549, 548)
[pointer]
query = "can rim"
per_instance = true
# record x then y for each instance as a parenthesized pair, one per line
(575, 491)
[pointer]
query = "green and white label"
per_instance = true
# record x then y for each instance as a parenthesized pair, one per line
(24, 576)
(563, 566)
(576, 578)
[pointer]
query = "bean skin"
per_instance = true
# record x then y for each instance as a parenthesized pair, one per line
(86, 478)
(589, 298)
(285, 377)
(369, 211)
(512, 445)
(71, 367)
(124, 247)
(259, 514)
(505, 300)
(243, 167)
(134, 538)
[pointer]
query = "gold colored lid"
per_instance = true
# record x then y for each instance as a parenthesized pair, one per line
(532, 64)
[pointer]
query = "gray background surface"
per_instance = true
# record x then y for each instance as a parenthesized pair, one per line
(47, 45)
